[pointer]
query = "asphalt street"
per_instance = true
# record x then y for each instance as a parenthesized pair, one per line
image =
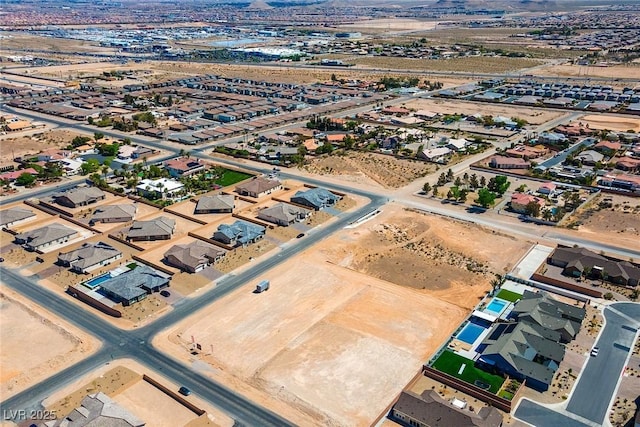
(593, 392)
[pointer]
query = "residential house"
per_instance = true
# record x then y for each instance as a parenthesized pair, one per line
(161, 188)
(114, 213)
(621, 181)
(526, 152)
(183, 167)
(576, 262)
(44, 237)
(608, 148)
(547, 188)
(457, 144)
(79, 196)
(628, 164)
(13, 175)
(519, 202)
(89, 256)
(142, 152)
(284, 214)
(429, 410)
(590, 157)
(551, 138)
(134, 285)
(13, 216)
(316, 198)
(70, 167)
(540, 309)
(436, 155)
(125, 152)
(193, 257)
(523, 350)
(258, 187)
(160, 228)
(96, 409)
(240, 233)
(220, 203)
(53, 155)
(502, 162)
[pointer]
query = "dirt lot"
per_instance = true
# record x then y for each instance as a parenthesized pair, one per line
(448, 106)
(479, 64)
(613, 123)
(123, 383)
(387, 171)
(240, 256)
(21, 146)
(455, 261)
(617, 71)
(59, 344)
(621, 222)
(289, 347)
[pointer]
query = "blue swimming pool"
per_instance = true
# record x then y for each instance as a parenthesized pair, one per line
(496, 306)
(97, 280)
(470, 333)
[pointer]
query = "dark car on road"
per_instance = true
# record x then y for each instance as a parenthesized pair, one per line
(299, 236)
(165, 293)
(184, 391)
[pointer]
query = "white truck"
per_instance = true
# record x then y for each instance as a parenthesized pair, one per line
(262, 286)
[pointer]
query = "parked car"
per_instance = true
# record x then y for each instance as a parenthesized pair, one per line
(594, 351)
(165, 293)
(299, 236)
(1, 259)
(184, 391)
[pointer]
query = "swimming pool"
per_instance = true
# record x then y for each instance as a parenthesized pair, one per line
(97, 280)
(470, 333)
(496, 306)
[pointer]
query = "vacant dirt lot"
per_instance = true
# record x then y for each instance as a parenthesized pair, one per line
(480, 64)
(307, 356)
(620, 223)
(448, 106)
(20, 146)
(617, 71)
(387, 171)
(613, 123)
(26, 326)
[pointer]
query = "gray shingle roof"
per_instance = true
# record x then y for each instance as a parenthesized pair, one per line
(193, 254)
(129, 285)
(283, 212)
(98, 410)
(160, 226)
(81, 194)
(244, 232)
(258, 185)
(8, 216)
(217, 202)
(114, 211)
(89, 254)
(46, 234)
(316, 197)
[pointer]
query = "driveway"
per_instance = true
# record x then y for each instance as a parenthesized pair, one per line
(596, 387)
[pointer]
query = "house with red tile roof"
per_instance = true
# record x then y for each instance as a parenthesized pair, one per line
(519, 201)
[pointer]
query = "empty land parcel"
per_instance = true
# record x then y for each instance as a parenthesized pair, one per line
(307, 356)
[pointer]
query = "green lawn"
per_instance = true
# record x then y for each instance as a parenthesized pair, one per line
(509, 295)
(450, 363)
(230, 177)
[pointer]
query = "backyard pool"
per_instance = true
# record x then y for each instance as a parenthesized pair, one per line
(91, 284)
(496, 307)
(470, 333)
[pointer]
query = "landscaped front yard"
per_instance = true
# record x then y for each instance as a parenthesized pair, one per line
(509, 295)
(450, 363)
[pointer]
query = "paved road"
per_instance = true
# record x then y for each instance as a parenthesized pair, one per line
(562, 156)
(603, 372)
(595, 389)
(136, 344)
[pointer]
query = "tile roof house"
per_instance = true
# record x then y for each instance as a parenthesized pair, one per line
(607, 147)
(193, 257)
(258, 187)
(547, 188)
(519, 202)
(315, 198)
(503, 162)
(220, 203)
(97, 409)
(13, 175)
(160, 228)
(523, 350)
(13, 216)
(284, 214)
(578, 261)
(89, 256)
(240, 233)
(540, 309)
(429, 409)
(43, 237)
(114, 213)
(134, 285)
(82, 196)
(183, 167)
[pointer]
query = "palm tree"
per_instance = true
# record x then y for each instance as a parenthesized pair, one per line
(496, 282)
